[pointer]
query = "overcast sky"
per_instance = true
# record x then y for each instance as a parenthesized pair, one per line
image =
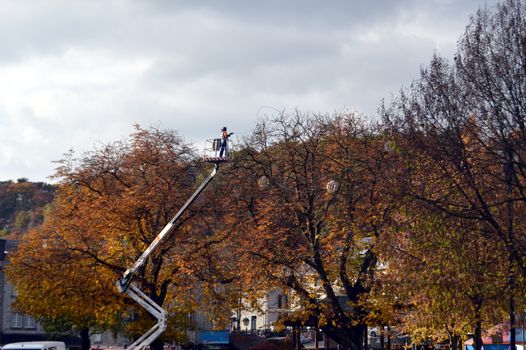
(76, 73)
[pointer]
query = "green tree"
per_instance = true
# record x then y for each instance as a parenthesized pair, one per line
(22, 221)
(444, 274)
(464, 122)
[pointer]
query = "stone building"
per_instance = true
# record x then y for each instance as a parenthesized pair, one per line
(262, 318)
(15, 326)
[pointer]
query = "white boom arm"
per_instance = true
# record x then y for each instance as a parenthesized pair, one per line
(124, 284)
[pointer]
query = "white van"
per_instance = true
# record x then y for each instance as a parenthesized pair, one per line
(36, 345)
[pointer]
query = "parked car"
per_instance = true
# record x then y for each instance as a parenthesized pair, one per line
(36, 345)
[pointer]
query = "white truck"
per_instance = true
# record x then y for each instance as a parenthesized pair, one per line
(36, 345)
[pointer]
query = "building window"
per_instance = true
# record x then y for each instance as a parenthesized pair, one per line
(17, 320)
(21, 320)
(97, 338)
(282, 301)
(190, 318)
(30, 322)
(253, 321)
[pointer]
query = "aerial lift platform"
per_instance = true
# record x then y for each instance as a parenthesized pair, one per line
(125, 283)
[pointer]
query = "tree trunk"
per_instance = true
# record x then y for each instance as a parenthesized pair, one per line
(382, 338)
(157, 344)
(478, 331)
(85, 342)
(509, 170)
(349, 338)
(388, 338)
(513, 342)
(453, 342)
(298, 338)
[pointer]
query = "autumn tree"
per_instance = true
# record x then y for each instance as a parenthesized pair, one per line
(463, 125)
(306, 210)
(77, 292)
(443, 273)
(111, 203)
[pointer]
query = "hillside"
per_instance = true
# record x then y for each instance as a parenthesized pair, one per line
(22, 205)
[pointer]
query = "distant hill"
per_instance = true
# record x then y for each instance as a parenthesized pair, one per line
(22, 205)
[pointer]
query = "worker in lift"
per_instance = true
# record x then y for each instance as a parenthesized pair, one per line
(224, 142)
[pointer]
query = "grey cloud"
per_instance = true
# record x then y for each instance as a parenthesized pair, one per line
(210, 63)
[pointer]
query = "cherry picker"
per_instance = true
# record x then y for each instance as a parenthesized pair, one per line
(125, 283)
